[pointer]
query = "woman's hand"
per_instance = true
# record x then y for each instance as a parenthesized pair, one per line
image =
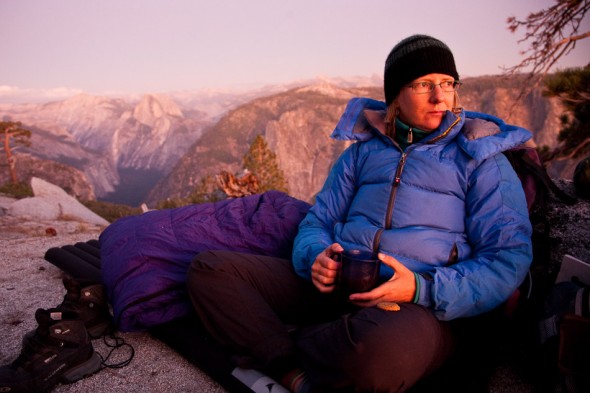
(324, 271)
(401, 288)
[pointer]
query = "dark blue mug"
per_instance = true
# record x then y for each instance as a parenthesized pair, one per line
(359, 271)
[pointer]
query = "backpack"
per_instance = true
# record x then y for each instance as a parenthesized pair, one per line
(531, 297)
(534, 178)
(537, 186)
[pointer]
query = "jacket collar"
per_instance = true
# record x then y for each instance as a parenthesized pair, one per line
(364, 118)
(478, 134)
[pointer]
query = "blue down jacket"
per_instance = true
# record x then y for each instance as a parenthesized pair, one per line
(450, 208)
(145, 258)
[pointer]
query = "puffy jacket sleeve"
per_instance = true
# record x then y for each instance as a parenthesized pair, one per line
(331, 206)
(499, 229)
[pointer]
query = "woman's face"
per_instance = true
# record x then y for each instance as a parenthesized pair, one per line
(425, 111)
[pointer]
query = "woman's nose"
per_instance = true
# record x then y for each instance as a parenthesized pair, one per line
(437, 94)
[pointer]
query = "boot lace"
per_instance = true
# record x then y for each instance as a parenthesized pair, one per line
(117, 344)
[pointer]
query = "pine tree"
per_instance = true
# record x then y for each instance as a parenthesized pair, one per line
(262, 162)
(13, 134)
(207, 191)
(572, 87)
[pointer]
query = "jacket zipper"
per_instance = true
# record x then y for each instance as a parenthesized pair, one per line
(438, 138)
(397, 181)
(391, 202)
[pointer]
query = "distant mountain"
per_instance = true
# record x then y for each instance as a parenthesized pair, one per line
(105, 137)
(297, 124)
(216, 102)
(155, 147)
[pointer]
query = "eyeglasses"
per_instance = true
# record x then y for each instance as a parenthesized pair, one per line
(427, 87)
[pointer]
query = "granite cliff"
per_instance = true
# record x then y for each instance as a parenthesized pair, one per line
(297, 125)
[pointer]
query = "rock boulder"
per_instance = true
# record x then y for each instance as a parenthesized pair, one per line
(51, 203)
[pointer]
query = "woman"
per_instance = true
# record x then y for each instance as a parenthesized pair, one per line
(426, 187)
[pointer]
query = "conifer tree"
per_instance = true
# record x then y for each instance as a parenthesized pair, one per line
(262, 162)
(207, 191)
(572, 87)
(13, 135)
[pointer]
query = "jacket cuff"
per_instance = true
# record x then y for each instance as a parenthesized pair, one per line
(423, 289)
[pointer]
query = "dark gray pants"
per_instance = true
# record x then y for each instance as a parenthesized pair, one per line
(250, 303)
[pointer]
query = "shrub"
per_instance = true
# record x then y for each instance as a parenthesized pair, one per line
(111, 211)
(17, 190)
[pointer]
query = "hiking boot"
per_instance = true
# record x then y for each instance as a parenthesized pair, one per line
(59, 350)
(90, 304)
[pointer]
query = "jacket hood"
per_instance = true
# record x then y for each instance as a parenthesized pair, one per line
(478, 134)
(486, 135)
(364, 118)
(360, 120)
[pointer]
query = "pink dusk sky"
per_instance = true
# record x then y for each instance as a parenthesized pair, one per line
(139, 46)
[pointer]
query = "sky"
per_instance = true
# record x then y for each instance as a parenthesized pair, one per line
(117, 47)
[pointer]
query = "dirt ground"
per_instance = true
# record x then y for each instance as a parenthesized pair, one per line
(28, 282)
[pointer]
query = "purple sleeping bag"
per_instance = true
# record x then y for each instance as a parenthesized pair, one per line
(145, 258)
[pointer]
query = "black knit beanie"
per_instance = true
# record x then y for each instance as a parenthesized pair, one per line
(414, 57)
